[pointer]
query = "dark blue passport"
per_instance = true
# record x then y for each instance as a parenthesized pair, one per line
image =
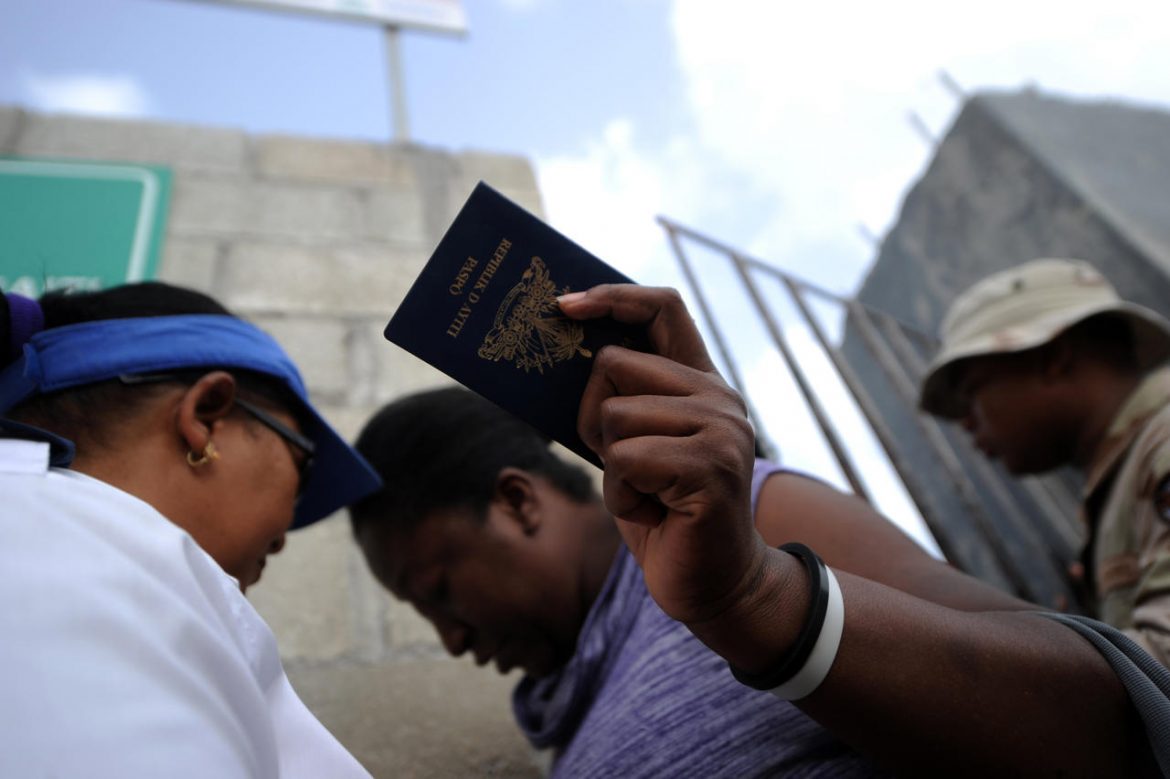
(484, 312)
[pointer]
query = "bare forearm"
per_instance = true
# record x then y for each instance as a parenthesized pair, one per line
(915, 684)
(921, 687)
(850, 536)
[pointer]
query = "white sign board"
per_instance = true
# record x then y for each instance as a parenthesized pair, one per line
(435, 15)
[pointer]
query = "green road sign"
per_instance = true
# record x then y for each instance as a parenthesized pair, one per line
(79, 225)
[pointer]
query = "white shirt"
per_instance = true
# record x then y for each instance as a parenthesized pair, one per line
(126, 651)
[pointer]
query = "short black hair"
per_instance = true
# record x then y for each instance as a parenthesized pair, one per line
(148, 298)
(444, 448)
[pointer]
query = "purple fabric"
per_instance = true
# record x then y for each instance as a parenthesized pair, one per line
(25, 319)
(643, 698)
(760, 473)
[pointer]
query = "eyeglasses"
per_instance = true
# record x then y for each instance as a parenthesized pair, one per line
(260, 415)
(284, 431)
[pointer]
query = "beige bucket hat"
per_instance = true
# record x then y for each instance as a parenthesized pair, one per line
(1025, 307)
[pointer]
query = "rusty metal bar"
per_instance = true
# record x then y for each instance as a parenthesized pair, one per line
(900, 349)
(832, 438)
(954, 467)
(803, 385)
(1041, 491)
(934, 435)
(717, 336)
(1044, 501)
(873, 417)
(1067, 500)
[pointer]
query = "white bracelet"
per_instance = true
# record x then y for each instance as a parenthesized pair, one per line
(824, 651)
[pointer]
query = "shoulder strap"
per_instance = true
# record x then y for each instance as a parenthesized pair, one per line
(1146, 680)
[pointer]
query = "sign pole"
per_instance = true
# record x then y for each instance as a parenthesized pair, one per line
(443, 16)
(398, 119)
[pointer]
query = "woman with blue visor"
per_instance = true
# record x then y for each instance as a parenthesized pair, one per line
(154, 450)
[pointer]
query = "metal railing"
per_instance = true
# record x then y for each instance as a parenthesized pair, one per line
(1019, 534)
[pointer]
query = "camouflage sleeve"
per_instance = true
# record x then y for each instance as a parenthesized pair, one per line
(1150, 625)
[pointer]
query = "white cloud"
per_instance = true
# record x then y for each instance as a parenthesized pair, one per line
(798, 133)
(103, 95)
(812, 99)
(798, 118)
(607, 199)
(784, 413)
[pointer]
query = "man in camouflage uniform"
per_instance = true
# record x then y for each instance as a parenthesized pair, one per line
(1044, 365)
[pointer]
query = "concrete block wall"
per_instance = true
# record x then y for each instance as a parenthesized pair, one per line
(317, 241)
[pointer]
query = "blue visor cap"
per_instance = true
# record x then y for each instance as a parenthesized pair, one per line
(75, 355)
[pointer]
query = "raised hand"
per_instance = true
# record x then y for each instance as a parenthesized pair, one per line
(678, 452)
(917, 685)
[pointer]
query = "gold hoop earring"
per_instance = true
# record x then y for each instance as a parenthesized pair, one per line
(209, 453)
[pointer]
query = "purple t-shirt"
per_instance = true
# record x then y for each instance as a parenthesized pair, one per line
(642, 697)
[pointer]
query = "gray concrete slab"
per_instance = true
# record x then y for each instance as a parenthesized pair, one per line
(207, 149)
(425, 719)
(356, 280)
(191, 262)
(11, 121)
(304, 592)
(312, 159)
(239, 206)
(319, 347)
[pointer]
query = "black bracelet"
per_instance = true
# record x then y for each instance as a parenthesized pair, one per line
(794, 659)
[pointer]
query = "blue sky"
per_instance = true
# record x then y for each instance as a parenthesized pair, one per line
(778, 127)
(186, 60)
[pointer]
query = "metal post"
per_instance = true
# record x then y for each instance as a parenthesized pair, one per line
(920, 127)
(803, 385)
(873, 416)
(1058, 539)
(899, 350)
(947, 458)
(717, 336)
(398, 118)
(815, 407)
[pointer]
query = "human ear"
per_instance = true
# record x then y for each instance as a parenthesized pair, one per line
(202, 407)
(516, 492)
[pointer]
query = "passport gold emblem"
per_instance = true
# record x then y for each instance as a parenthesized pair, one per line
(529, 329)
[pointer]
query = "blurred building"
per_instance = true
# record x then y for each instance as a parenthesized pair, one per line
(1023, 175)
